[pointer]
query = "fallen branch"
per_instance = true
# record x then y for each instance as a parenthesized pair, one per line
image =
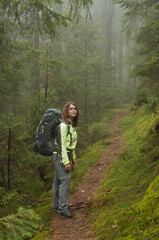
(79, 205)
(31, 199)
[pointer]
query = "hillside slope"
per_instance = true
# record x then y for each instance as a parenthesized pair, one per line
(127, 205)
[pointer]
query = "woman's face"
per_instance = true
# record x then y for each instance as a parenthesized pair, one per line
(72, 111)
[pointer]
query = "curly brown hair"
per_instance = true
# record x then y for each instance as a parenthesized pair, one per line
(65, 114)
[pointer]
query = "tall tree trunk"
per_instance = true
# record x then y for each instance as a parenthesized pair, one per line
(3, 183)
(109, 19)
(120, 72)
(86, 76)
(35, 67)
(46, 76)
(98, 91)
(9, 157)
(106, 19)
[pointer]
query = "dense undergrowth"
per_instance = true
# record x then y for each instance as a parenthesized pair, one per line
(127, 205)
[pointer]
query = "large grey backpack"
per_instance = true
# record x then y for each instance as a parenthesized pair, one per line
(46, 130)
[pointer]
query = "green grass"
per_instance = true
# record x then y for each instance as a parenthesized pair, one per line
(126, 206)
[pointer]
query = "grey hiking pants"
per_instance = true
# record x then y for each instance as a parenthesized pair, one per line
(60, 189)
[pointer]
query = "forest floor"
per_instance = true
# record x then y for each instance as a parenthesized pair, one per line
(79, 226)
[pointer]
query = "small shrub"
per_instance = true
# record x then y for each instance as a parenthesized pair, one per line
(141, 96)
(22, 225)
(152, 104)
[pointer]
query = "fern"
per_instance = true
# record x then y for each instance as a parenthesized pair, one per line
(22, 225)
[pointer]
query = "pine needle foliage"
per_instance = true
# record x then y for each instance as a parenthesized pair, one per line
(145, 60)
(77, 5)
(19, 226)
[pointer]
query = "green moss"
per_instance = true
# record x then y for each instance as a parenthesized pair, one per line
(45, 235)
(126, 206)
(148, 208)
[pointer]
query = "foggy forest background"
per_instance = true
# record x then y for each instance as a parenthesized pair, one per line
(99, 54)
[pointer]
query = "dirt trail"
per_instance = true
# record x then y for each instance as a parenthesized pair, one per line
(78, 227)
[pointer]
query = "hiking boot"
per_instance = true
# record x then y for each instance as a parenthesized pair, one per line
(65, 214)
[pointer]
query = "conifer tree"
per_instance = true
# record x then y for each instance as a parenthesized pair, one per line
(24, 224)
(144, 15)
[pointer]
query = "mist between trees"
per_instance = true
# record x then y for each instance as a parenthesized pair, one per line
(94, 53)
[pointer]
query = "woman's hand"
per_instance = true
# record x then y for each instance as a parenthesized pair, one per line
(68, 167)
(74, 162)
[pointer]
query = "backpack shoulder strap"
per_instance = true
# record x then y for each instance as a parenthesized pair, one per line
(68, 131)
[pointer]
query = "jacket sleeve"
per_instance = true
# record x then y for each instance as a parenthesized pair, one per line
(62, 143)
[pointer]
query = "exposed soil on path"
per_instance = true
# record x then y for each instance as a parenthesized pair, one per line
(78, 227)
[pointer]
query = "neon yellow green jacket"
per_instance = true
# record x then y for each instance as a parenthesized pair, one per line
(67, 140)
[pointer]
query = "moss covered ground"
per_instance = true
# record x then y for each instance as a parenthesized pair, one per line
(127, 205)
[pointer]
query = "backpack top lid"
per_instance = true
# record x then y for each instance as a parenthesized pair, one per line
(51, 115)
(55, 111)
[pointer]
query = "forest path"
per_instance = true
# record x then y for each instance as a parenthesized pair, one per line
(78, 227)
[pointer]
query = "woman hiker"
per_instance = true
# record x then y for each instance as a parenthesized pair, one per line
(64, 157)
